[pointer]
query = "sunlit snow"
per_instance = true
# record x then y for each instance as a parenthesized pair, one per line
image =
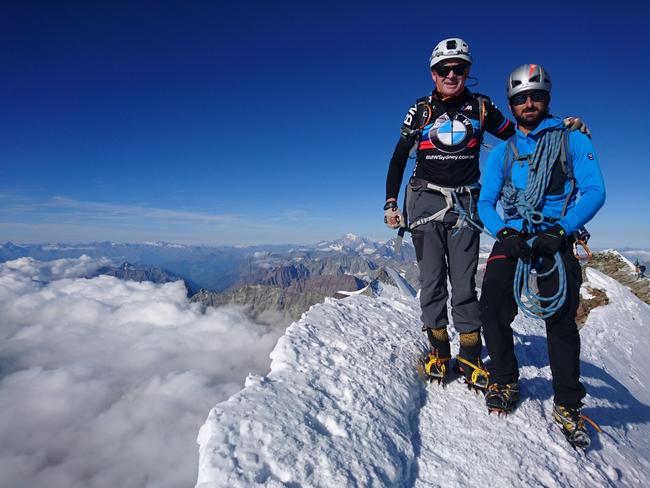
(343, 406)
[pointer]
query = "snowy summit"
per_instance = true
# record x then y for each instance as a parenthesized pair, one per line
(343, 406)
(350, 242)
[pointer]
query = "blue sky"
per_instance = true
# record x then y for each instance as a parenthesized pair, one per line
(266, 122)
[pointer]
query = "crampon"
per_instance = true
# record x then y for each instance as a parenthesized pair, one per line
(502, 399)
(434, 368)
(476, 376)
(572, 425)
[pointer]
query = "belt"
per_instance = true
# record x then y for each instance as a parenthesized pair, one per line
(471, 188)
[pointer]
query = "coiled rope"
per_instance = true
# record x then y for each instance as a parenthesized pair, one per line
(523, 203)
(536, 305)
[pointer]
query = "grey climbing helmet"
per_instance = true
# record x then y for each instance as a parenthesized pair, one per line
(528, 77)
(452, 48)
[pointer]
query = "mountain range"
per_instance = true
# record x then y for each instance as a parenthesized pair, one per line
(271, 283)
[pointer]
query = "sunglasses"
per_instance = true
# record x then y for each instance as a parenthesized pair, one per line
(536, 96)
(458, 69)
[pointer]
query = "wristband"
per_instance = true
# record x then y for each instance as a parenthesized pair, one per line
(390, 205)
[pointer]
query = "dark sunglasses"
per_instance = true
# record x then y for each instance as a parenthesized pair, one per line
(536, 96)
(458, 69)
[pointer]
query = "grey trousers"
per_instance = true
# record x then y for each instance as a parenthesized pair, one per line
(440, 255)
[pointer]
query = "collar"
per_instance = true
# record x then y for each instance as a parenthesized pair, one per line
(550, 122)
(461, 97)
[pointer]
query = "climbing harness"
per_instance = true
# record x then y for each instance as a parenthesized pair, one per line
(453, 204)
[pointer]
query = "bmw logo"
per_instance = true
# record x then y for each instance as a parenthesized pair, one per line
(451, 135)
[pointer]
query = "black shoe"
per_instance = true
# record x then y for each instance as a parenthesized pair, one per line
(473, 370)
(502, 398)
(572, 424)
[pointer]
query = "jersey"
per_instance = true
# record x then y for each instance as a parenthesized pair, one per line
(448, 140)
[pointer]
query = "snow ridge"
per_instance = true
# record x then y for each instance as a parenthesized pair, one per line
(321, 418)
(343, 406)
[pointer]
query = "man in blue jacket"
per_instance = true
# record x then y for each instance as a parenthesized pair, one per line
(539, 153)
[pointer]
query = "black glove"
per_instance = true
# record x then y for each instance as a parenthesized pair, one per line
(550, 241)
(514, 245)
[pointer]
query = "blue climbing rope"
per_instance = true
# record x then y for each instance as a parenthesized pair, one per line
(540, 166)
(464, 218)
(523, 203)
(535, 304)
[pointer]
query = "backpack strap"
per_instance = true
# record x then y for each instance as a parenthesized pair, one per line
(482, 111)
(566, 161)
(565, 155)
(480, 99)
(423, 112)
(421, 118)
(512, 155)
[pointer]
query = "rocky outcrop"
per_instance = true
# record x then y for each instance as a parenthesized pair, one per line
(284, 276)
(614, 265)
(292, 300)
(596, 298)
(327, 285)
(259, 300)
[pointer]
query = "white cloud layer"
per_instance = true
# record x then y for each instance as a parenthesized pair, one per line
(642, 255)
(105, 383)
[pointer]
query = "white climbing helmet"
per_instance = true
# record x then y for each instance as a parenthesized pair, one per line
(528, 77)
(452, 48)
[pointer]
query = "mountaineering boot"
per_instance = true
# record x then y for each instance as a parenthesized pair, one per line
(436, 367)
(436, 364)
(502, 398)
(572, 424)
(469, 362)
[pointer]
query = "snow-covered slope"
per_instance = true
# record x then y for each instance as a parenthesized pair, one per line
(344, 406)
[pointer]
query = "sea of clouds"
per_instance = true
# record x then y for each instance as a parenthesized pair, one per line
(105, 383)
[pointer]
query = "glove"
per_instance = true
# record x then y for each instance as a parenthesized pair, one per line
(550, 241)
(514, 245)
(393, 217)
(576, 123)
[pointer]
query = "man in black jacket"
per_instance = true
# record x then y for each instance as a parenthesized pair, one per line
(447, 127)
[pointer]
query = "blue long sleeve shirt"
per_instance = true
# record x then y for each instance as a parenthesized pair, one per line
(589, 182)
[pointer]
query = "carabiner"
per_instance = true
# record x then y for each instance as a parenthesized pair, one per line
(584, 245)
